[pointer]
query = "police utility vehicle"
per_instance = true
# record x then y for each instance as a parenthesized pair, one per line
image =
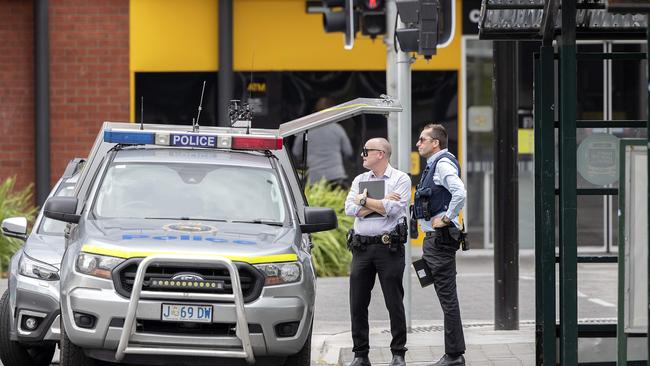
(29, 308)
(191, 245)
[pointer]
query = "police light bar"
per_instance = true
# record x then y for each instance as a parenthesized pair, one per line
(256, 143)
(191, 139)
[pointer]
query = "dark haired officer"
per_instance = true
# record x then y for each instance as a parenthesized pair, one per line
(439, 197)
(377, 244)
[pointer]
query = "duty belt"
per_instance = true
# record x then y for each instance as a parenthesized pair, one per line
(377, 239)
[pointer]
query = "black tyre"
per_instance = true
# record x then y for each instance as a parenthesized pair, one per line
(13, 353)
(71, 354)
(303, 357)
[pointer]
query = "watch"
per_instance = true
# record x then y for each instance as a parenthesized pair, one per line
(362, 201)
(446, 220)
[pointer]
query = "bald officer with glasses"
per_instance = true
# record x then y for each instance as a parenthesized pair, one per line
(377, 245)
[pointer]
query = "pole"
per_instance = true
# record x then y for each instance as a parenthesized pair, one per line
(225, 74)
(648, 172)
(403, 157)
(506, 194)
(42, 99)
(398, 82)
(568, 186)
(391, 70)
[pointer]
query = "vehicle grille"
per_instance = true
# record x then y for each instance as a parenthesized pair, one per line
(209, 329)
(250, 278)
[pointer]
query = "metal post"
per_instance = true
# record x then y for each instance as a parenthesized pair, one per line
(547, 202)
(225, 74)
(391, 71)
(568, 199)
(403, 155)
(506, 235)
(398, 74)
(539, 299)
(42, 99)
(648, 172)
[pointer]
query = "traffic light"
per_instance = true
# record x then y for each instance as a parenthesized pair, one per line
(373, 17)
(350, 17)
(428, 24)
(339, 16)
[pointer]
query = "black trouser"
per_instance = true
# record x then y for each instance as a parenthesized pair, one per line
(377, 259)
(440, 255)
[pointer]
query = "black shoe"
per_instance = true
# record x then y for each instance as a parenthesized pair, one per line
(447, 360)
(398, 360)
(360, 361)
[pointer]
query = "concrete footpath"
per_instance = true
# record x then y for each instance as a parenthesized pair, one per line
(485, 346)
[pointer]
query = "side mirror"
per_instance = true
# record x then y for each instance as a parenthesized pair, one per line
(15, 227)
(319, 219)
(62, 209)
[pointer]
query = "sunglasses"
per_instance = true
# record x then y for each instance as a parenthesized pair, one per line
(425, 138)
(364, 151)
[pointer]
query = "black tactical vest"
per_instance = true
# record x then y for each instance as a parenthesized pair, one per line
(432, 199)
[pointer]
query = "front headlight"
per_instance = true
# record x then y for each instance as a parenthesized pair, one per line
(280, 273)
(97, 265)
(36, 269)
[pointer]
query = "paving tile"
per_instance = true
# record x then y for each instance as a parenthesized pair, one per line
(378, 355)
(521, 349)
(527, 360)
(424, 354)
(506, 361)
(475, 354)
(496, 350)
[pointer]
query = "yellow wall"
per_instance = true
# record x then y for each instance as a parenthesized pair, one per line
(172, 35)
(270, 35)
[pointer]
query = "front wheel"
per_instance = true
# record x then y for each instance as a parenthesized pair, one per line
(14, 353)
(71, 354)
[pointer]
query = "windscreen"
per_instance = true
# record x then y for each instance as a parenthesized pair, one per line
(190, 192)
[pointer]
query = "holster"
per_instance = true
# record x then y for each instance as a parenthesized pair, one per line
(350, 239)
(413, 229)
(354, 242)
(453, 237)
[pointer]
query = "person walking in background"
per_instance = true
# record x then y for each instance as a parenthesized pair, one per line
(377, 245)
(439, 197)
(327, 147)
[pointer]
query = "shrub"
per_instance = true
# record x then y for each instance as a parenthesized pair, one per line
(330, 253)
(13, 203)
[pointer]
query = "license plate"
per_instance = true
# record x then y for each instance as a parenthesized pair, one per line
(187, 313)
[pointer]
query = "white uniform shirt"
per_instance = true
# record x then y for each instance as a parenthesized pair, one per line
(448, 176)
(395, 181)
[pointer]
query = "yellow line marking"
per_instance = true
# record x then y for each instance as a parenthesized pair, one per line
(125, 253)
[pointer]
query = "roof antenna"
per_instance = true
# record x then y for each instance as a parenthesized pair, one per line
(195, 122)
(141, 112)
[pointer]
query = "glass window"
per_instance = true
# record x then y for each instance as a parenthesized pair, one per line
(56, 227)
(480, 141)
(190, 191)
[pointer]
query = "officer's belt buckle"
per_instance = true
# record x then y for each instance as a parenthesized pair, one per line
(385, 239)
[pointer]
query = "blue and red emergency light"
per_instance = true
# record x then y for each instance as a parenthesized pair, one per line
(190, 139)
